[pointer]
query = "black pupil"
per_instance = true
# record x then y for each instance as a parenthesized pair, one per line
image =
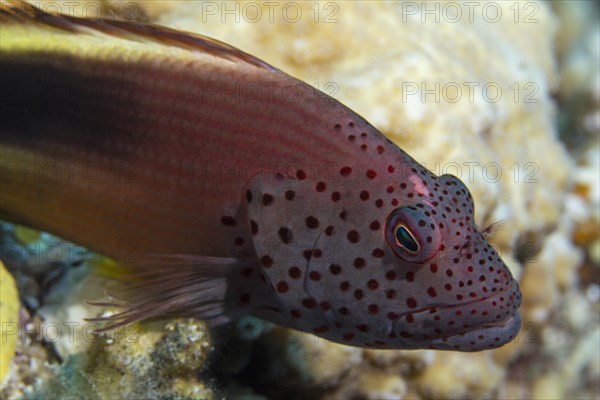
(406, 240)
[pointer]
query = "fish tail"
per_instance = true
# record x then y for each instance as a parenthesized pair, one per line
(162, 286)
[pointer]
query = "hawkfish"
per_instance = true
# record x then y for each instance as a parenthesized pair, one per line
(230, 188)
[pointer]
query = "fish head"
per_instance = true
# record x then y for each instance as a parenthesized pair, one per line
(460, 295)
(382, 261)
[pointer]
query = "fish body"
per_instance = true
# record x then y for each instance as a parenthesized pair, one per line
(238, 189)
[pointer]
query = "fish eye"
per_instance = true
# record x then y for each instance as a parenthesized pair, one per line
(412, 233)
(405, 238)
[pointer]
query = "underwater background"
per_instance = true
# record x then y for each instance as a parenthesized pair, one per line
(503, 94)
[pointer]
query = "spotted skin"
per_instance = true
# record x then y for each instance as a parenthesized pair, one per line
(323, 250)
(344, 235)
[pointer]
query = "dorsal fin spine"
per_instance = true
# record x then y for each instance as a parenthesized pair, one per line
(21, 12)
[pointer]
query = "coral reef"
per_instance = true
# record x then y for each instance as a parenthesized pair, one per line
(510, 104)
(9, 313)
(136, 363)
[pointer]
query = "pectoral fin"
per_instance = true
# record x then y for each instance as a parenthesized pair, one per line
(159, 286)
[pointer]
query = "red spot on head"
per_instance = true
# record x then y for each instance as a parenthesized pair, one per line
(372, 284)
(314, 276)
(289, 194)
(431, 292)
(300, 174)
(285, 235)
(393, 316)
(282, 287)
(267, 199)
(321, 187)
(335, 196)
(391, 169)
(321, 329)
(345, 171)
(312, 222)
(378, 253)
(375, 225)
(371, 174)
(295, 272)
(364, 195)
(411, 302)
(266, 261)
(353, 236)
(228, 221)
(335, 269)
(373, 308)
(309, 303)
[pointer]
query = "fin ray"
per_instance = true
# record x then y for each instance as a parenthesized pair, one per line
(21, 12)
(160, 286)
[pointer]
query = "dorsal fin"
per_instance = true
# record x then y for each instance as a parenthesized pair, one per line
(21, 12)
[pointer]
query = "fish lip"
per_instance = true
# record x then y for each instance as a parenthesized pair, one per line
(465, 304)
(502, 332)
(505, 328)
(487, 335)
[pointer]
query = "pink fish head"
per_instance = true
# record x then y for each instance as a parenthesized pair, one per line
(382, 256)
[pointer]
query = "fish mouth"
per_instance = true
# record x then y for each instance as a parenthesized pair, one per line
(495, 322)
(486, 337)
(481, 324)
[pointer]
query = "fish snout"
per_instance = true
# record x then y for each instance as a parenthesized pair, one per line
(485, 323)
